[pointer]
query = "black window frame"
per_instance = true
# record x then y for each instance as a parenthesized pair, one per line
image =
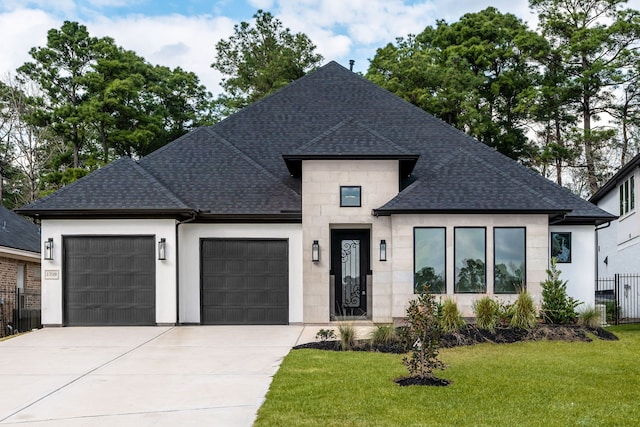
(344, 187)
(455, 275)
(626, 191)
(444, 229)
(524, 248)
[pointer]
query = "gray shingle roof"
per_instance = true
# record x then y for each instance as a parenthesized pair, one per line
(451, 187)
(120, 186)
(236, 167)
(349, 137)
(17, 232)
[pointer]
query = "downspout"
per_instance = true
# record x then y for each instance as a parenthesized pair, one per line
(606, 225)
(193, 217)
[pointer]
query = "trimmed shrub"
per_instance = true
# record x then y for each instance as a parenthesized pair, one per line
(524, 312)
(486, 311)
(383, 335)
(450, 317)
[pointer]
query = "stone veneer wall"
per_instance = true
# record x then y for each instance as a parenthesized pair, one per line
(321, 212)
(537, 249)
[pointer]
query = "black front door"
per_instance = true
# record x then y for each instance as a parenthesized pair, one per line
(350, 265)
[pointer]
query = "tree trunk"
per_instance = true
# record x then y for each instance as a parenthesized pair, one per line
(560, 143)
(589, 149)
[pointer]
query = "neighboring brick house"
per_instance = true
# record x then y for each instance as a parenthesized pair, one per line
(19, 268)
(329, 199)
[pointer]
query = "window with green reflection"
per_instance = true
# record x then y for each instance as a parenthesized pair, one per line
(509, 254)
(429, 259)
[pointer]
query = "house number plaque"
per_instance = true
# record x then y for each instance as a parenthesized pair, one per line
(51, 274)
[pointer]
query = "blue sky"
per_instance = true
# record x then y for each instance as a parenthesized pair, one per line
(184, 32)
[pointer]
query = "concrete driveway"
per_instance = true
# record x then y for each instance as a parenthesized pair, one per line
(141, 376)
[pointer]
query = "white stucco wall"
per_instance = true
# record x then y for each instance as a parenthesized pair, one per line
(189, 272)
(619, 243)
(580, 273)
(52, 310)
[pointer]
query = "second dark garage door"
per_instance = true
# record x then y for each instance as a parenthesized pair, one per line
(109, 280)
(244, 282)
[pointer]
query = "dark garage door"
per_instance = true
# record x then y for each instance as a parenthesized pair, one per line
(244, 282)
(109, 280)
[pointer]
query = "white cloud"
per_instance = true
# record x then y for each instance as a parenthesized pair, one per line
(65, 7)
(21, 30)
(261, 4)
(341, 30)
(174, 41)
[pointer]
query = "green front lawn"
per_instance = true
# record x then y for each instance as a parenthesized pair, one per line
(524, 384)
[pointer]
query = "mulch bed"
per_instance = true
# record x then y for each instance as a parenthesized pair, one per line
(470, 335)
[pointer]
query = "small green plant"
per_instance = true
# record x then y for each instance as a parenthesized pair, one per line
(423, 329)
(505, 313)
(557, 306)
(612, 309)
(524, 312)
(590, 317)
(383, 335)
(450, 317)
(325, 334)
(486, 311)
(347, 334)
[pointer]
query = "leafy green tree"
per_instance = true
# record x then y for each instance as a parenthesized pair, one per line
(260, 58)
(549, 108)
(626, 112)
(59, 70)
(594, 40)
(424, 333)
(104, 101)
(474, 74)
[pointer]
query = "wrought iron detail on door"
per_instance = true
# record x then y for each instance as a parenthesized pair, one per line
(350, 265)
(350, 273)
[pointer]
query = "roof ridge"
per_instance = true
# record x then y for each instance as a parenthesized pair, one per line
(165, 146)
(332, 129)
(249, 160)
(169, 193)
(379, 135)
(347, 120)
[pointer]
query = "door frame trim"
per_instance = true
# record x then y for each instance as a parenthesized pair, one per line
(366, 272)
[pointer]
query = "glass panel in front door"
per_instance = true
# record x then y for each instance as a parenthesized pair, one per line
(350, 273)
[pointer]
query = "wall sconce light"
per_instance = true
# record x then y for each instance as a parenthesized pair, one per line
(48, 249)
(383, 250)
(162, 249)
(315, 251)
(606, 260)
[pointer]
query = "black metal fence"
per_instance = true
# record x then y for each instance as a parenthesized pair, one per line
(620, 296)
(17, 312)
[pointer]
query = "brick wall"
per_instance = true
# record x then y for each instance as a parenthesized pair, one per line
(8, 285)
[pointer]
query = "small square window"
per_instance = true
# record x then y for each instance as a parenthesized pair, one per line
(350, 196)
